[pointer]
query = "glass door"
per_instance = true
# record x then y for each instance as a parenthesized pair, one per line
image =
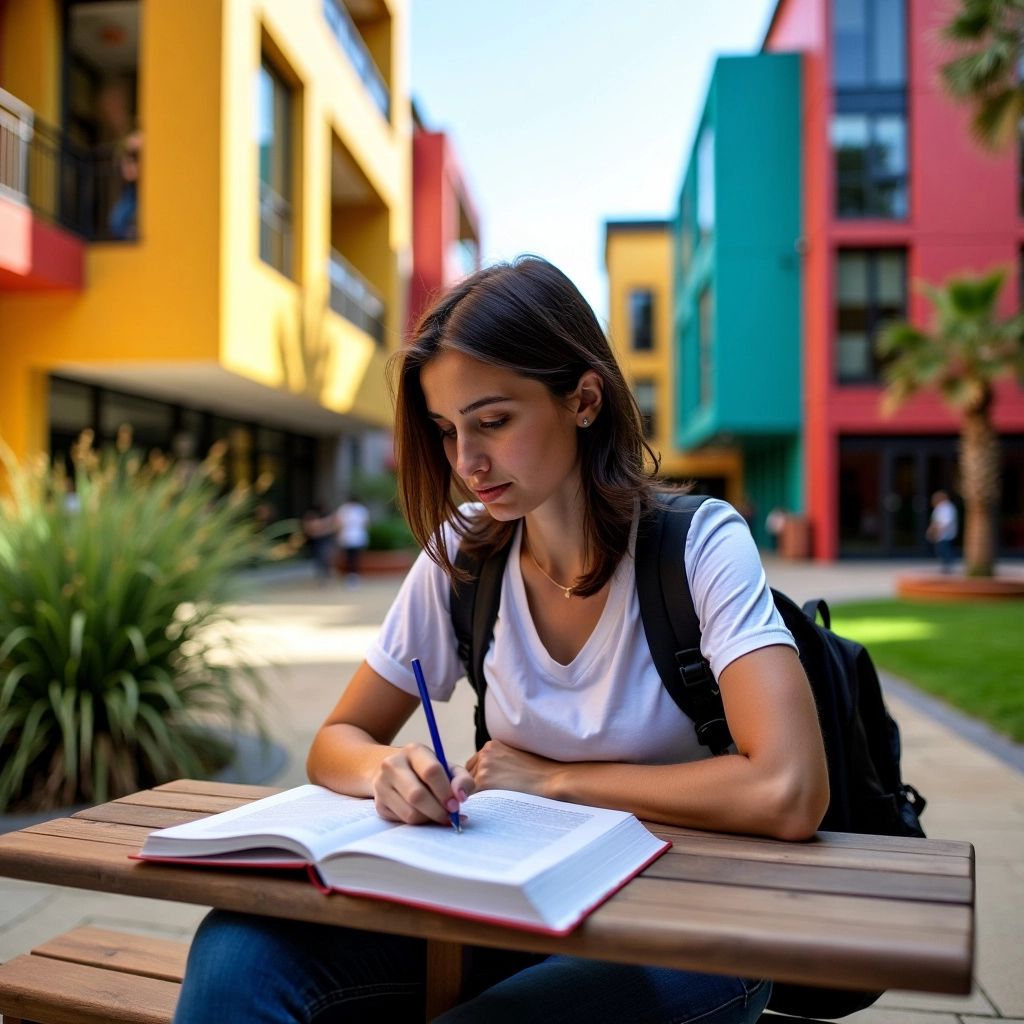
(885, 488)
(906, 517)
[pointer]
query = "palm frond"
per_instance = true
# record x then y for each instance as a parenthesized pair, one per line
(996, 119)
(965, 349)
(989, 38)
(975, 73)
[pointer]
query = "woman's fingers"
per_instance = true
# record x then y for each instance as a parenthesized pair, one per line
(463, 784)
(412, 786)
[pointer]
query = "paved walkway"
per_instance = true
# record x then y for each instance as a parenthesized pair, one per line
(311, 639)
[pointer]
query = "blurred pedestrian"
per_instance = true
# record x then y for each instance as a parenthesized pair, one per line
(123, 219)
(942, 529)
(353, 525)
(319, 531)
(774, 524)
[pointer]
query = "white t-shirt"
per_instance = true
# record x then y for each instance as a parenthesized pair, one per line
(609, 703)
(353, 525)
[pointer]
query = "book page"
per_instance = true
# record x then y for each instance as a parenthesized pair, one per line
(319, 819)
(506, 836)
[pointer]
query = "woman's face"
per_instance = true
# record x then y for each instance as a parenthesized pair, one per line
(511, 442)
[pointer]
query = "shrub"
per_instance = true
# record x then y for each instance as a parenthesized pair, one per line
(390, 534)
(112, 625)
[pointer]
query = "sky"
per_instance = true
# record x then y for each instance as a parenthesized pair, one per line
(567, 113)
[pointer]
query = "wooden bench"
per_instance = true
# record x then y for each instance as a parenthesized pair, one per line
(94, 976)
(97, 976)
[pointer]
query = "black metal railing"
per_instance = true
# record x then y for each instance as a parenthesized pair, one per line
(354, 298)
(275, 229)
(81, 189)
(348, 37)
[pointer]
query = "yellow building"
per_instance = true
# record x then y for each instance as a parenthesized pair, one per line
(205, 224)
(638, 260)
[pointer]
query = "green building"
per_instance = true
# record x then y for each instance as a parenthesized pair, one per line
(737, 254)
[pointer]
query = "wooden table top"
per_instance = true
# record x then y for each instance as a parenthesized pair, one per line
(850, 911)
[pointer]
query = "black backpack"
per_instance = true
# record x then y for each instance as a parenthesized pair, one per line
(862, 741)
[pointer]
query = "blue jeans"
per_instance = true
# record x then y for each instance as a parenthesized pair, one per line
(261, 970)
(944, 549)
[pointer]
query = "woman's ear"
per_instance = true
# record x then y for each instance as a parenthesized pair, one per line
(588, 395)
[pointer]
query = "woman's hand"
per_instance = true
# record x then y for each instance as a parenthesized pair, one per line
(498, 766)
(411, 786)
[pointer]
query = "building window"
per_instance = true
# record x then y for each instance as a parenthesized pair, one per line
(706, 341)
(275, 147)
(641, 319)
(869, 126)
(646, 393)
(871, 289)
(869, 44)
(871, 165)
(706, 182)
(686, 229)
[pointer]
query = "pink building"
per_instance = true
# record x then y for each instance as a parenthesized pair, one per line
(894, 191)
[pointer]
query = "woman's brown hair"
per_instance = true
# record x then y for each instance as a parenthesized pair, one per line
(527, 317)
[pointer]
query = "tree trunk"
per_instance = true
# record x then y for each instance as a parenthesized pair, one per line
(979, 485)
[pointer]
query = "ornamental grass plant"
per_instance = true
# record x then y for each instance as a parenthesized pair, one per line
(114, 624)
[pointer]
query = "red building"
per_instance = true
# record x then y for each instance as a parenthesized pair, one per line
(894, 191)
(446, 229)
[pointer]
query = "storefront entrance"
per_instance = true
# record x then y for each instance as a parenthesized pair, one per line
(885, 488)
(885, 485)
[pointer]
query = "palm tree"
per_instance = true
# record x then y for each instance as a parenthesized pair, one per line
(988, 74)
(967, 348)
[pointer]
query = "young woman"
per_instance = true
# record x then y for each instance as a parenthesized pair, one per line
(509, 399)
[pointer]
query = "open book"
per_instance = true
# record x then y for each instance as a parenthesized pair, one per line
(520, 860)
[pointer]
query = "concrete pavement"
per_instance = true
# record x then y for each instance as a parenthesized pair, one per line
(312, 638)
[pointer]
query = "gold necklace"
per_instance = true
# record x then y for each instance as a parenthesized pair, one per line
(567, 591)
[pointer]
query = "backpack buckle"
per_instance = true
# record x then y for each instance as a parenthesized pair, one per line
(695, 671)
(714, 734)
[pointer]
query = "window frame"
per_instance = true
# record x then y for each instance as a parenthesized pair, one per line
(648, 414)
(875, 177)
(706, 346)
(874, 316)
(871, 35)
(640, 341)
(275, 201)
(872, 101)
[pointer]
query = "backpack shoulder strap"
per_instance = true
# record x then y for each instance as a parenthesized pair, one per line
(474, 610)
(670, 619)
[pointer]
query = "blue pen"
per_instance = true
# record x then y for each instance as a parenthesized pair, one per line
(435, 736)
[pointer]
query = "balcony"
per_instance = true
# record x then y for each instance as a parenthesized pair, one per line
(78, 189)
(354, 298)
(16, 131)
(35, 253)
(348, 38)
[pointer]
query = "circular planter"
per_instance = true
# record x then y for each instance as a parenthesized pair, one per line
(960, 588)
(253, 761)
(383, 563)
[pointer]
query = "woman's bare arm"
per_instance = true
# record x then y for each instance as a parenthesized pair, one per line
(776, 784)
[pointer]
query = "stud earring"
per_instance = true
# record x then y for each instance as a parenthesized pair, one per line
(586, 422)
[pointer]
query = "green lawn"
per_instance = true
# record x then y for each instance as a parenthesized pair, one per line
(970, 654)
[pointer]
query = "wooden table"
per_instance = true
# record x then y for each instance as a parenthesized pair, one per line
(849, 911)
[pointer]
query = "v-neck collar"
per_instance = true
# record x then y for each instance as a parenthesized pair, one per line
(604, 631)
